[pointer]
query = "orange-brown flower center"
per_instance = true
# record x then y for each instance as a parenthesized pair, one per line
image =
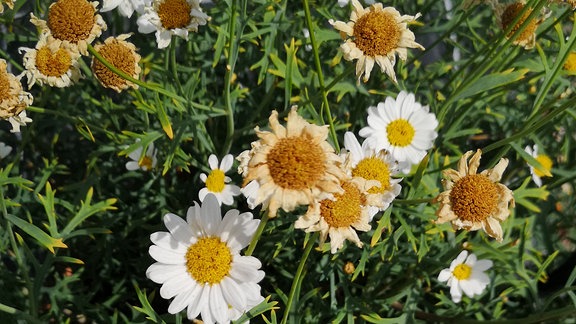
(296, 163)
(71, 20)
(4, 85)
(510, 13)
(346, 209)
(377, 33)
(174, 13)
(474, 197)
(53, 64)
(121, 57)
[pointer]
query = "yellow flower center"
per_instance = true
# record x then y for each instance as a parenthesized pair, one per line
(570, 64)
(510, 13)
(400, 132)
(145, 163)
(377, 33)
(121, 57)
(71, 20)
(174, 13)
(53, 64)
(296, 163)
(474, 197)
(215, 181)
(546, 162)
(462, 271)
(4, 85)
(208, 260)
(374, 168)
(346, 209)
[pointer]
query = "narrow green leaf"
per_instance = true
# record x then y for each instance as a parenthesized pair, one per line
(491, 81)
(39, 235)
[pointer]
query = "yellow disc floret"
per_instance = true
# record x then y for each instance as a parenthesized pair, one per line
(474, 197)
(546, 163)
(462, 271)
(374, 169)
(53, 64)
(346, 209)
(215, 181)
(377, 33)
(400, 132)
(208, 260)
(71, 20)
(510, 13)
(174, 13)
(570, 63)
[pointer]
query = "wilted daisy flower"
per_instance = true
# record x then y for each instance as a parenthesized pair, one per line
(342, 216)
(17, 121)
(539, 172)
(145, 162)
(199, 263)
(367, 163)
(9, 3)
(475, 201)
(52, 63)
(122, 55)
(292, 165)
(466, 274)
(125, 7)
(171, 17)
(403, 127)
(13, 99)
(4, 150)
(376, 34)
(217, 181)
(507, 13)
(72, 21)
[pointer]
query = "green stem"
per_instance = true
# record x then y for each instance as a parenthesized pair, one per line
(257, 234)
(298, 276)
(133, 80)
(318, 65)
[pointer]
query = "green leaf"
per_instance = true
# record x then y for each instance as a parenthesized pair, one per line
(522, 193)
(87, 210)
(491, 81)
(261, 308)
(42, 237)
(146, 307)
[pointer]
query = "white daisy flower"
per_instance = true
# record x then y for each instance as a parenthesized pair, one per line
(17, 121)
(466, 274)
(199, 263)
(171, 17)
(217, 181)
(4, 150)
(403, 127)
(545, 161)
(125, 7)
(145, 162)
(369, 164)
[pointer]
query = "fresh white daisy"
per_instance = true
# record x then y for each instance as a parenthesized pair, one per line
(4, 150)
(171, 17)
(466, 274)
(125, 7)
(217, 182)
(199, 263)
(146, 161)
(403, 127)
(17, 121)
(369, 164)
(545, 161)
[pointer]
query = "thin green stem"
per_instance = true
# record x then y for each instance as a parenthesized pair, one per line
(257, 234)
(142, 84)
(318, 65)
(297, 281)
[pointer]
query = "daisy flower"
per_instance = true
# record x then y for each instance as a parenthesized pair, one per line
(475, 201)
(466, 274)
(73, 22)
(340, 217)
(545, 161)
(125, 7)
(367, 163)
(122, 55)
(376, 35)
(171, 17)
(403, 127)
(292, 165)
(217, 181)
(4, 150)
(505, 16)
(13, 99)
(9, 3)
(17, 121)
(145, 162)
(199, 263)
(53, 63)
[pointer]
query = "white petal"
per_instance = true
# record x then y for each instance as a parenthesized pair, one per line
(218, 306)
(213, 162)
(179, 229)
(199, 304)
(163, 38)
(233, 293)
(244, 269)
(144, 24)
(444, 275)
(226, 163)
(176, 284)
(483, 265)
(166, 256)
(160, 272)
(132, 166)
(182, 300)
(166, 241)
(456, 292)
(210, 216)
(459, 259)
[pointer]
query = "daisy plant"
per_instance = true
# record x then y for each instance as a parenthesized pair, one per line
(466, 274)
(217, 183)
